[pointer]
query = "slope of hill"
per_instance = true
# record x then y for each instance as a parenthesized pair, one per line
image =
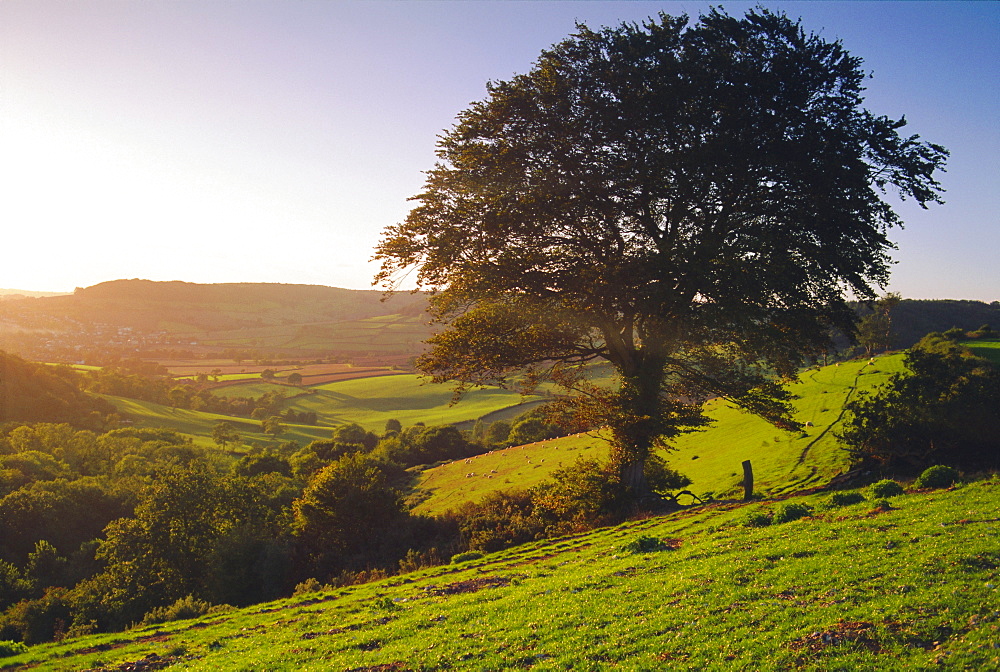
(909, 586)
(782, 461)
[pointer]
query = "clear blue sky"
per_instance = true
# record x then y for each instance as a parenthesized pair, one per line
(272, 141)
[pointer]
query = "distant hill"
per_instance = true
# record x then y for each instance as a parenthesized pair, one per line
(149, 305)
(912, 319)
(139, 317)
(13, 294)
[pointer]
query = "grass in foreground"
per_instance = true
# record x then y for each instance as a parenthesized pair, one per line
(851, 588)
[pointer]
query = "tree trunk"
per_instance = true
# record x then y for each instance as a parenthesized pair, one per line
(636, 426)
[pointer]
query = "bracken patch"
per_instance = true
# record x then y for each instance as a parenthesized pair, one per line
(860, 633)
(470, 585)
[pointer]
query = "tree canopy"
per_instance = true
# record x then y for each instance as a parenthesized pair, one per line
(691, 201)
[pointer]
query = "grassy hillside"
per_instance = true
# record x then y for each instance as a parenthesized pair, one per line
(782, 461)
(851, 588)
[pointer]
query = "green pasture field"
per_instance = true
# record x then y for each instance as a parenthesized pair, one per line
(987, 349)
(405, 397)
(857, 587)
(782, 461)
(199, 425)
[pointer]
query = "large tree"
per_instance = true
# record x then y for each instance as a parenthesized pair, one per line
(690, 201)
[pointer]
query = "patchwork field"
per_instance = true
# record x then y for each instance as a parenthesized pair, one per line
(782, 461)
(912, 585)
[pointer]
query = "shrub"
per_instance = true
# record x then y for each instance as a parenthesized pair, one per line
(8, 648)
(885, 488)
(790, 511)
(882, 505)
(310, 585)
(465, 557)
(844, 499)
(938, 476)
(758, 519)
(185, 607)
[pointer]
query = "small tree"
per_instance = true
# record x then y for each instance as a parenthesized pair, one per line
(273, 426)
(344, 508)
(295, 378)
(224, 435)
(874, 331)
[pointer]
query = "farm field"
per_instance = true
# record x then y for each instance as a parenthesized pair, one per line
(711, 458)
(856, 587)
(199, 425)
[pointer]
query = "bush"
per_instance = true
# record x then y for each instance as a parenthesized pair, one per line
(844, 499)
(311, 585)
(465, 557)
(882, 505)
(938, 476)
(185, 607)
(790, 511)
(758, 519)
(885, 488)
(8, 648)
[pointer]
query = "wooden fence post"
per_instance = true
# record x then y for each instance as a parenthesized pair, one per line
(747, 481)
